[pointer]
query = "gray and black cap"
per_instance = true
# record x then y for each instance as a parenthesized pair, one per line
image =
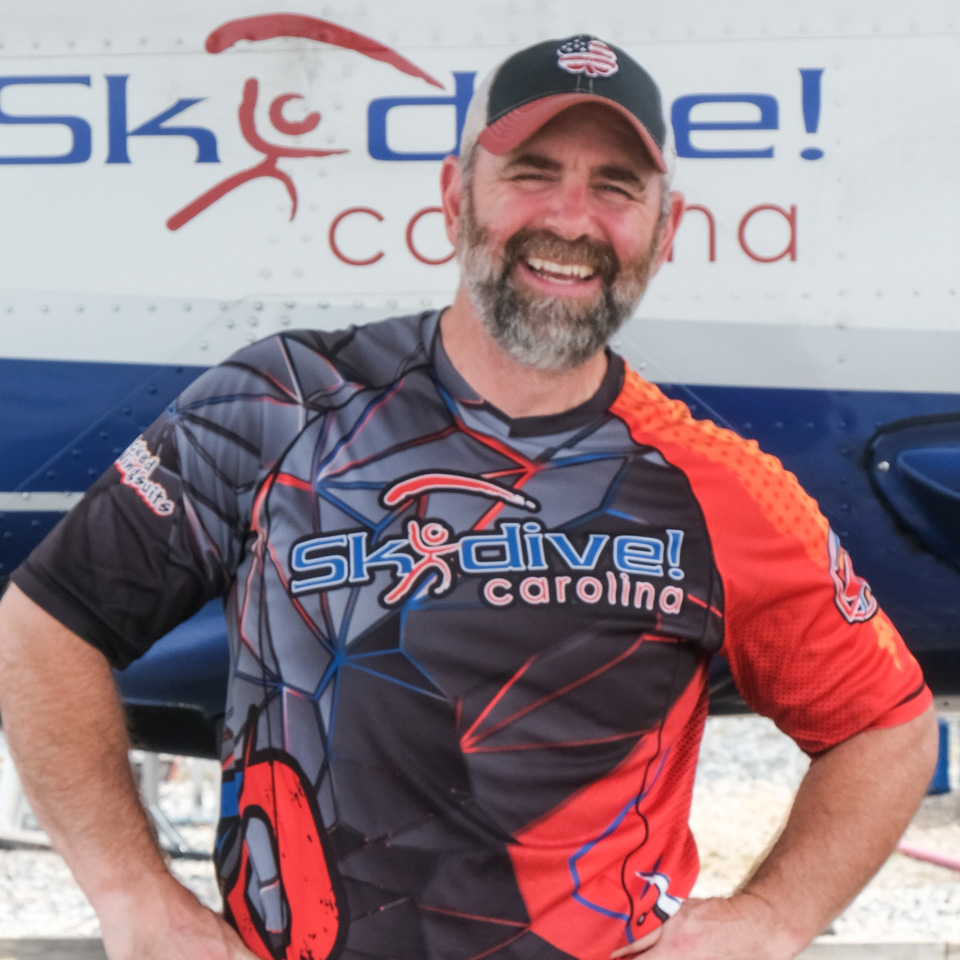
(534, 85)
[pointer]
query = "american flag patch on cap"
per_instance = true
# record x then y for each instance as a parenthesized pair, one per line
(584, 55)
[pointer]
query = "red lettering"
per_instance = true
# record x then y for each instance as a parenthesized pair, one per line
(589, 589)
(711, 231)
(333, 236)
(671, 599)
(414, 220)
(611, 587)
(643, 594)
(503, 599)
(789, 215)
(535, 590)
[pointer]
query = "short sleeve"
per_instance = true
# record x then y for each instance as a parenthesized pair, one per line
(806, 639)
(165, 528)
(807, 642)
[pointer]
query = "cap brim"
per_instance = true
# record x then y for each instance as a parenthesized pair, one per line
(512, 129)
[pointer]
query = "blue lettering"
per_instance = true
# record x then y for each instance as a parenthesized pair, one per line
(387, 555)
(492, 553)
(683, 125)
(576, 561)
(118, 133)
(309, 556)
(533, 536)
(79, 151)
(674, 542)
(639, 555)
(379, 108)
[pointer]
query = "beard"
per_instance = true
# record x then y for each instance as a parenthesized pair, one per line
(548, 333)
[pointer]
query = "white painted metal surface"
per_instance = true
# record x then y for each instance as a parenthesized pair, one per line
(849, 257)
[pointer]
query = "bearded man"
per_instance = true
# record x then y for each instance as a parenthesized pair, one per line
(474, 570)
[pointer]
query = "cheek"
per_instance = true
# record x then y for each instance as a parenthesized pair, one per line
(501, 229)
(503, 214)
(633, 242)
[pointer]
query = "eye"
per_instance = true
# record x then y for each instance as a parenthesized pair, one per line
(618, 192)
(621, 191)
(535, 176)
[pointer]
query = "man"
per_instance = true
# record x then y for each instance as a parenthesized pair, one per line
(474, 570)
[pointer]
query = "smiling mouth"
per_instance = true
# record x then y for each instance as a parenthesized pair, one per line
(564, 272)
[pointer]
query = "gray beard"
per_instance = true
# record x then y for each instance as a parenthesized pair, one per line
(552, 334)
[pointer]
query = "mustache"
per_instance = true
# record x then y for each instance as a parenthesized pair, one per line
(546, 245)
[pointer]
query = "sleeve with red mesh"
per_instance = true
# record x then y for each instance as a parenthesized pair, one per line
(807, 644)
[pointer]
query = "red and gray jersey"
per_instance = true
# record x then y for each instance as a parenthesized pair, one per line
(469, 652)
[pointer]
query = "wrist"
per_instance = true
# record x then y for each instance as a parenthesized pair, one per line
(156, 902)
(779, 928)
(136, 888)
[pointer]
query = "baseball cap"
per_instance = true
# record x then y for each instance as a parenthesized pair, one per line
(534, 85)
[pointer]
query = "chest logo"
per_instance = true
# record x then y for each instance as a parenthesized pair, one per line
(514, 560)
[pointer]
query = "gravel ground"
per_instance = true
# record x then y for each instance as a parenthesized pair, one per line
(745, 782)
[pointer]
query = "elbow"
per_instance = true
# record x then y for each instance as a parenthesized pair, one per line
(928, 742)
(916, 749)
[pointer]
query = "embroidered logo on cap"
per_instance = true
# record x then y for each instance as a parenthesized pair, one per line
(592, 57)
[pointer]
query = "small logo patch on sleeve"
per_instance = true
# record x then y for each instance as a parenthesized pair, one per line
(136, 465)
(852, 594)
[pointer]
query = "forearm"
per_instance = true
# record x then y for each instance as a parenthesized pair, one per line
(850, 810)
(67, 735)
(66, 730)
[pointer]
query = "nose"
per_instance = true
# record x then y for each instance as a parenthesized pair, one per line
(569, 213)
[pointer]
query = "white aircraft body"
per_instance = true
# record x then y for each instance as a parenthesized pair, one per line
(179, 179)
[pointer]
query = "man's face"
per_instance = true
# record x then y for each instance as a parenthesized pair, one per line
(558, 238)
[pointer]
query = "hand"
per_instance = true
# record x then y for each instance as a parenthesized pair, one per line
(742, 927)
(169, 923)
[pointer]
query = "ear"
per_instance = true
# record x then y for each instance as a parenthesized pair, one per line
(677, 204)
(451, 196)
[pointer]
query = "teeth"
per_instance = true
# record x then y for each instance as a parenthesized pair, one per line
(580, 270)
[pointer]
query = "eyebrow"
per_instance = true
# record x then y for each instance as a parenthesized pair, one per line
(610, 171)
(536, 160)
(621, 174)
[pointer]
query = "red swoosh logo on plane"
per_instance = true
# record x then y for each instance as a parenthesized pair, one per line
(453, 483)
(271, 25)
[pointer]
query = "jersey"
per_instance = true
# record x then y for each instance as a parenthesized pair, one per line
(469, 653)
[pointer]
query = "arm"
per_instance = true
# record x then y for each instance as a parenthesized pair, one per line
(850, 810)
(65, 726)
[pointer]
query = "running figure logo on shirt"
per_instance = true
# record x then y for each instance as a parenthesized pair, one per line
(432, 540)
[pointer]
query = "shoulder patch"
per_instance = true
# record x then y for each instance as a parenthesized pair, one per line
(136, 465)
(852, 594)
